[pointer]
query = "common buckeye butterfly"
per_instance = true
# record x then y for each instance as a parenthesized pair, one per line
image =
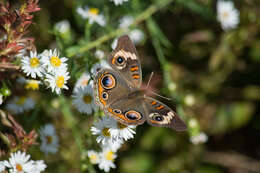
(117, 91)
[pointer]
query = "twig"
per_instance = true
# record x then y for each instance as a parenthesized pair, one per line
(232, 160)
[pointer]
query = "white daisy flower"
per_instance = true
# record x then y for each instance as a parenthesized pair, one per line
(198, 139)
(32, 84)
(98, 66)
(32, 66)
(126, 21)
(92, 14)
(119, 2)
(93, 157)
(83, 81)
(102, 129)
(114, 145)
(227, 14)
(107, 158)
(62, 26)
(52, 61)
(84, 99)
(119, 130)
(99, 54)
(39, 166)
(2, 166)
(49, 139)
(1, 99)
(58, 81)
(20, 104)
(136, 36)
(19, 162)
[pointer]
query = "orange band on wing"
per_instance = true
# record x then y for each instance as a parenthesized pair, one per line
(100, 90)
(136, 76)
(134, 68)
(159, 107)
(113, 60)
(153, 103)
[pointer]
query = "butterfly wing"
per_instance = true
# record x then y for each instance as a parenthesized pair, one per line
(125, 60)
(108, 87)
(158, 114)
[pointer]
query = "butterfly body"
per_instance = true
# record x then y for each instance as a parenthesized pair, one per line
(118, 93)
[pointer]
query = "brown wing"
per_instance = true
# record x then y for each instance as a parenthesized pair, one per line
(108, 87)
(125, 60)
(158, 114)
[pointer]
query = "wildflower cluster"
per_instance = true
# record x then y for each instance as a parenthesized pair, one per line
(20, 162)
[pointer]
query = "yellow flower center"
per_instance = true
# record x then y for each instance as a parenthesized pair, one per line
(21, 100)
(106, 132)
(32, 84)
(49, 139)
(60, 81)
(93, 158)
(34, 62)
(109, 156)
(225, 15)
(55, 61)
(93, 11)
(121, 126)
(87, 98)
(19, 167)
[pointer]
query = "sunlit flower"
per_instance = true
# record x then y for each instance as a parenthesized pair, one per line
(99, 54)
(107, 158)
(32, 84)
(83, 81)
(199, 138)
(114, 144)
(227, 15)
(126, 21)
(119, 2)
(119, 130)
(2, 166)
(102, 129)
(84, 99)
(32, 66)
(58, 81)
(136, 36)
(20, 104)
(92, 14)
(1, 99)
(62, 26)
(98, 66)
(93, 157)
(19, 162)
(49, 139)
(189, 100)
(39, 166)
(52, 61)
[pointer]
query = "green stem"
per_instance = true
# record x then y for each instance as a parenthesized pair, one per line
(72, 51)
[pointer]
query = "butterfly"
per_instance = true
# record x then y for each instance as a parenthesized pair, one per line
(117, 91)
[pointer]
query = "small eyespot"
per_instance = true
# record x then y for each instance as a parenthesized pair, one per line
(108, 81)
(117, 111)
(105, 95)
(120, 60)
(157, 117)
(133, 115)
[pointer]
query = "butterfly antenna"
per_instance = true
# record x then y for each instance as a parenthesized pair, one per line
(150, 78)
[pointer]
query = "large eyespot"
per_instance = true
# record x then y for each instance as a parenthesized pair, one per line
(117, 111)
(105, 95)
(156, 117)
(120, 60)
(108, 81)
(133, 115)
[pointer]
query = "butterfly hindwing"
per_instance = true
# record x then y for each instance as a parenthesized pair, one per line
(125, 60)
(158, 114)
(128, 110)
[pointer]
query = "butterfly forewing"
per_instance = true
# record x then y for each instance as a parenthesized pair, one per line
(125, 60)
